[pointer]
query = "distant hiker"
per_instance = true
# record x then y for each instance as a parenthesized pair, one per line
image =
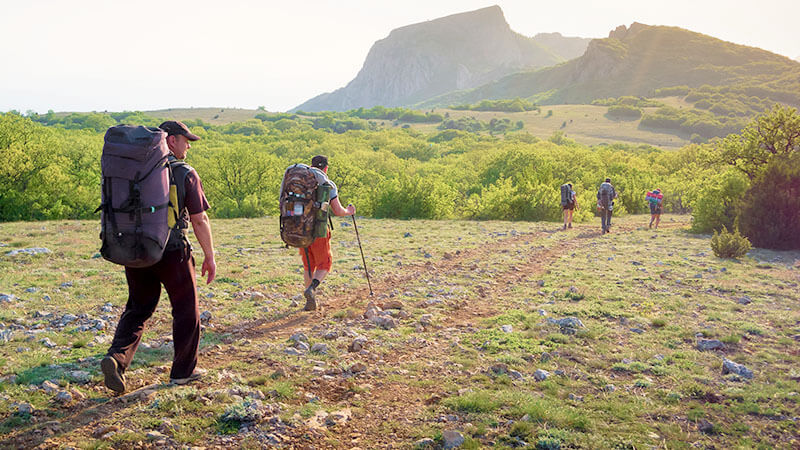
(175, 270)
(307, 196)
(605, 204)
(569, 202)
(655, 199)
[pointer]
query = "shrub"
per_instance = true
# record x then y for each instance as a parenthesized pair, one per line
(716, 205)
(729, 245)
(770, 211)
(624, 111)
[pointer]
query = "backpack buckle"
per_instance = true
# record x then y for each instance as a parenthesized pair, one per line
(152, 209)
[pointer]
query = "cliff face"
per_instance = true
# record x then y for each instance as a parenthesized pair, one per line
(427, 59)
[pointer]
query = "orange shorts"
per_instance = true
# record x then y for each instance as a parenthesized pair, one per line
(319, 253)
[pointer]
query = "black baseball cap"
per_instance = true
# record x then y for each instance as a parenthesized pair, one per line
(319, 161)
(173, 127)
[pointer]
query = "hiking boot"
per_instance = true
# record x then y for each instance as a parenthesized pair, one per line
(311, 299)
(565, 226)
(196, 375)
(114, 379)
(569, 226)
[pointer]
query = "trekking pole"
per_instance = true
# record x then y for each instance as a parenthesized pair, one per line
(366, 272)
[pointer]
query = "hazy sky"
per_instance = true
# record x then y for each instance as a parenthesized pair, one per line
(85, 55)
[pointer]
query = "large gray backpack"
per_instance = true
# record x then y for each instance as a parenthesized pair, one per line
(135, 221)
(605, 195)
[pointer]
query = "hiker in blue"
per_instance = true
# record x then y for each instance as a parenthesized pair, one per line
(605, 204)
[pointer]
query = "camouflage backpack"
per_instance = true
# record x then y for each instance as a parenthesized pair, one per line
(303, 206)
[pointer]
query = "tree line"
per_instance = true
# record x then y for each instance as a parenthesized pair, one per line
(53, 172)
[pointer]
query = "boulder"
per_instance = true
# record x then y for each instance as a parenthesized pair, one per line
(452, 439)
(729, 366)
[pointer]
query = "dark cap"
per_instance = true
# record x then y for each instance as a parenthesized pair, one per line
(173, 127)
(608, 180)
(319, 161)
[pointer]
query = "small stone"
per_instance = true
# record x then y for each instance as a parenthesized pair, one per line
(745, 300)
(452, 439)
(407, 235)
(292, 351)
(63, 397)
(319, 348)
(426, 320)
(66, 284)
(542, 312)
(577, 398)
(80, 376)
(357, 368)
(545, 357)
(298, 337)
(425, 443)
(48, 343)
(507, 329)
(710, 344)
(541, 375)
(25, 408)
(515, 375)
(357, 345)
(205, 317)
(729, 366)
(302, 346)
(49, 387)
(609, 388)
(705, 426)
(637, 330)
(498, 369)
(31, 290)
(155, 436)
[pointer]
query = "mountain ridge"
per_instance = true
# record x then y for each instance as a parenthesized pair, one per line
(636, 60)
(426, 59)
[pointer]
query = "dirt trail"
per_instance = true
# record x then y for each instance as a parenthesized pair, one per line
(394, 408)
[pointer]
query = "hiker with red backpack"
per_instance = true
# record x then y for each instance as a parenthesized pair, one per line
(605, 204)
(656, 200)
(143, 205)
(307, 198)
(569, 203)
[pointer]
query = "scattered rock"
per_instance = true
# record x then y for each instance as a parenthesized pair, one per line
(7, 298)
(358, 344)
(319, 347)
(392, 304)
(330, 335)
(609, 388)
(292, 351)
(103, 430)
(299, 337)
(515, 375)
(205, 317)
(49, 387)
(302, 346)
(31, 290)
(709, 344)
(425, 443)
(729, 366)
(705, 426)
(29, 251)
(338, 417)
(452, 439)
(63, 397)
(545, 357)
(79, 376)
(568, 325)
(498, 369)
(507, 329)
(155, 436)
(637, 330)
(48, 343)
(744, 300)
(407, 235)
(6, 335)
(577, 398)
(426, 320)
(357, 368)
(25, 408)
(541, 375)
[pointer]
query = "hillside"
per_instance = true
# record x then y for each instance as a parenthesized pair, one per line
(460, 51)
(500, 334)
(640, 59)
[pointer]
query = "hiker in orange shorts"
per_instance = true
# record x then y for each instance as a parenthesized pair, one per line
(319, 253)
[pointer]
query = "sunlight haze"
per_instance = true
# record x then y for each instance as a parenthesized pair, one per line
(101, 55)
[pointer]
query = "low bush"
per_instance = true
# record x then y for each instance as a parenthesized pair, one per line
(729, 245)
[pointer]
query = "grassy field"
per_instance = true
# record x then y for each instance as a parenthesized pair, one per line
(470, 343)
(585, 124)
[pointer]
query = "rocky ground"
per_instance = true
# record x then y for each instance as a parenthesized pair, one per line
(477, 334)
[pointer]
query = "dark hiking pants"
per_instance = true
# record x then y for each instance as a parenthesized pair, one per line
(605, 218)
(176, 272)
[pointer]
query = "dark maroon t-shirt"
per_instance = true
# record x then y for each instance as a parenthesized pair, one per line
(195, 200)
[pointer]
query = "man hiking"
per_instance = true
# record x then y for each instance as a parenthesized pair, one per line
(317, 259)
(605, 204)
(175, 270)
(656, 200)
(569, 202)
